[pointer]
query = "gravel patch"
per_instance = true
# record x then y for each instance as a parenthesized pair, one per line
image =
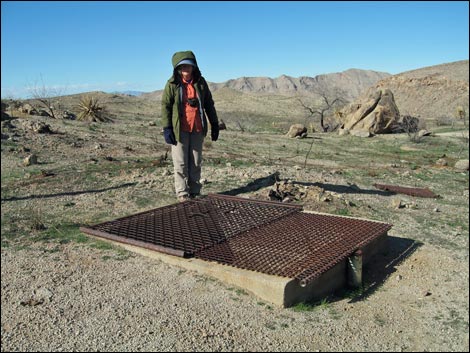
(75, 298)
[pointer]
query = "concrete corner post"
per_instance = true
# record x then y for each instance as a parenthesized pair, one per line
(354, 269)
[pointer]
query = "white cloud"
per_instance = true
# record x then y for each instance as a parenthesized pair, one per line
(65, 89)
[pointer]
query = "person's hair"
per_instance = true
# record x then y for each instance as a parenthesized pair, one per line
(196, 73)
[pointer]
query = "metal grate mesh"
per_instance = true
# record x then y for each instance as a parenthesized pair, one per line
(185, 228)
(237, 215)
(263, 236)
(301, 246)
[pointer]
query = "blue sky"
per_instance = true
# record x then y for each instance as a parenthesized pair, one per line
(76, 47)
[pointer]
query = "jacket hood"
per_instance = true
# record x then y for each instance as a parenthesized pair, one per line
(182, 55)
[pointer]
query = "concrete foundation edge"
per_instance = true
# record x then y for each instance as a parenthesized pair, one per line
(280, 291)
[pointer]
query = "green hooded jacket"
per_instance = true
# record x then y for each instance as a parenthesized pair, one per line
(172, 108)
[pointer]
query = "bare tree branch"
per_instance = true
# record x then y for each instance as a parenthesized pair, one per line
(322, 108)
(44, 97)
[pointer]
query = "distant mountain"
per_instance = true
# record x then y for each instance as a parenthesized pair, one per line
(429, 93)
(352, 82)
(129, 93)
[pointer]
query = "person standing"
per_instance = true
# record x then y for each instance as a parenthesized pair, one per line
(186, 102)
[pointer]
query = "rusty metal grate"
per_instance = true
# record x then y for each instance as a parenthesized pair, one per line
(420, 192)
(185, 228)
(300, 246)
(264, 236)
(237, 215)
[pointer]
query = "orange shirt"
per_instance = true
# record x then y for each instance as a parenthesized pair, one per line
(191, 121)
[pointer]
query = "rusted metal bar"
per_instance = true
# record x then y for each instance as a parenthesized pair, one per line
(419, 192)
(254, 201)
(129, 241)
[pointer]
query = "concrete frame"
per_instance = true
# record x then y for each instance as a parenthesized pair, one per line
(280, 291)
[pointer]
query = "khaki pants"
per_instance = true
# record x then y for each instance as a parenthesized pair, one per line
(187, 159)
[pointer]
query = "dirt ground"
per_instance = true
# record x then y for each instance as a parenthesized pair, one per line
(64, 291)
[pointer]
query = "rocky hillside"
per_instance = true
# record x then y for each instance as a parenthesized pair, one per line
(429, 93)
(352, 82)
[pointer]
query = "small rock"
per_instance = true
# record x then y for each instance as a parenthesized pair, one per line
(30, 160)
(349, 203)
(424, 132)
(461, 164)
(397, 203)
(31, 302)
(43, 293)
(412, 206)
(360, 133)
(297, 130)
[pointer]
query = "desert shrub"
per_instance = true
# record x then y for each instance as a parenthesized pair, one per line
(407, 124)
(410, 125)
(461, 114)
(91, 110)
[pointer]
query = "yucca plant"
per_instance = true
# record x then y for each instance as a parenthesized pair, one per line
(91, 110)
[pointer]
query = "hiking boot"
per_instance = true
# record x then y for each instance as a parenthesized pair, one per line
(183, 198)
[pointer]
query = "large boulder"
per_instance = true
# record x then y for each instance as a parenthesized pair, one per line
(376, 114)
(297, 130)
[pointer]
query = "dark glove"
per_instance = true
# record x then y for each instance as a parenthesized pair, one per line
(169, 136)
(215, 132)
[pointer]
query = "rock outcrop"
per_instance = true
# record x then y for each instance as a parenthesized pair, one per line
(377, 113)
